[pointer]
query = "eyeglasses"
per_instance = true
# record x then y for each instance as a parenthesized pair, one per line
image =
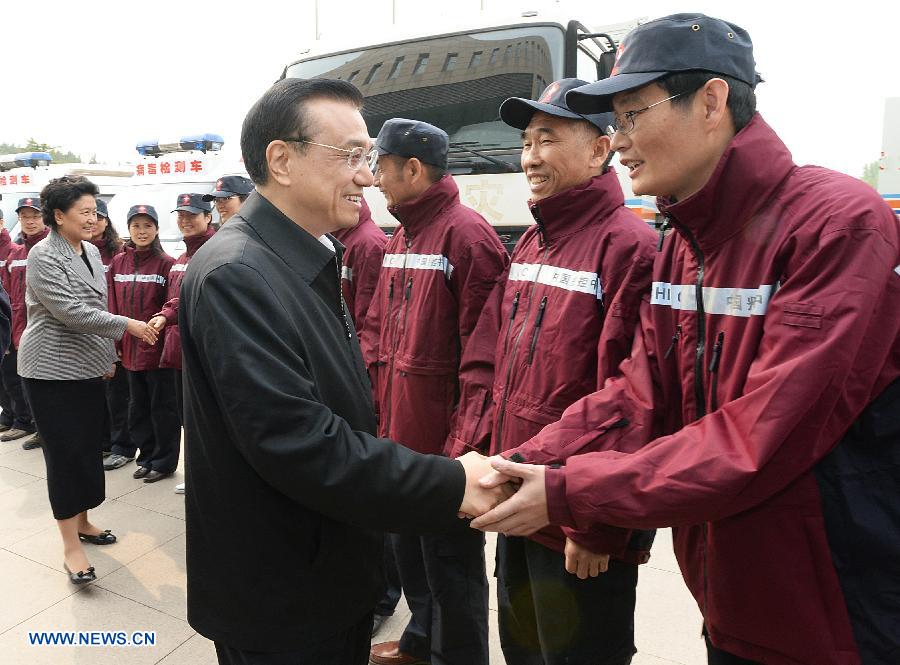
(624, 124)
(355, 156)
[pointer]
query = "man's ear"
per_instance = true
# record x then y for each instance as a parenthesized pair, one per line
(278, 158)
(713, 98)
(602, 146)
(414, 170)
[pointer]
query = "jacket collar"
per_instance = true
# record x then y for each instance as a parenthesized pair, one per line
(193, 243)
(303, 253)
(31, 241)
(62, 246)
(5, 240)
(574, 208)
(365, 217)
(750, 171)
(415, 215)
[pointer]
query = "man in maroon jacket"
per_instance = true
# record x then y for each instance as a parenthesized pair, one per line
(363, 252)
(759, 413)
(33, 231)
(438, 270)
(566, 316)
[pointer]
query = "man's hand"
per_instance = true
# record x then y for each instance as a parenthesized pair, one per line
(524, 513)
(110, 374)
(584, 563)
(479, 499)
(158, 322)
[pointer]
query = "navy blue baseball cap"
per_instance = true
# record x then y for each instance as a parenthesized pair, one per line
(517, 111)
(676, 43)
(29, 202)
(414, 138)
(142, 209)
(192, 203)
(101, 209)
(230, 185)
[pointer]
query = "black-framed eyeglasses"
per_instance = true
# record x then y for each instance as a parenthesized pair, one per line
(355, 156)
(624, 124)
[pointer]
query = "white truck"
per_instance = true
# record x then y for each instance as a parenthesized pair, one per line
(457, 80)
(889, 164)
(191, 164)
(25, 174)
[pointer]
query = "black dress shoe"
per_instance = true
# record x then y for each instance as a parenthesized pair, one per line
(105, 538)
(141, 472)
(82, 576)
(155, 475)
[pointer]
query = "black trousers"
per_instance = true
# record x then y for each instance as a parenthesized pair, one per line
(445, 585)
(393, 588)
(350, 647)
(153, 423)
(18, 400)
(716, 656)
(69, 415)
(548, 616)
(115, 430)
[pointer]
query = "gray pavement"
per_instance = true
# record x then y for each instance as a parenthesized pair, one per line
(141, 580)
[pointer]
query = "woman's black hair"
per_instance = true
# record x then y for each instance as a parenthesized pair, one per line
(112, 243)
(155, 246)
(61, 194)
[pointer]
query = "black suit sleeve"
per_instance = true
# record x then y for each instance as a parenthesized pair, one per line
(268, 397)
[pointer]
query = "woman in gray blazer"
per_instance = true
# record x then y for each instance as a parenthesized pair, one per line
(66, 351)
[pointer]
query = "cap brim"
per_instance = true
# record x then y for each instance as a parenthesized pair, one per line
(190, 209)
(38, 208)
(597, 97)
(517, 112)
(218, 195)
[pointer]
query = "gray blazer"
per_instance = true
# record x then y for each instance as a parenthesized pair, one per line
(69, 333)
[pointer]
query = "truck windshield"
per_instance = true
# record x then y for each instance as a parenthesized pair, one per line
(456, 82)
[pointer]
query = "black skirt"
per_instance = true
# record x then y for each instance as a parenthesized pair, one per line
(70, 417)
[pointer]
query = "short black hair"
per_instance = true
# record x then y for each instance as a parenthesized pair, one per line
(281, 113)
(741, 97)
(62, 193)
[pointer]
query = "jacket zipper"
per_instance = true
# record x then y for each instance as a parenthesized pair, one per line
(134, 347)
(392, 334)
(537, 329)
(337, 266)
(699, 392)
(512, 358)
(512, 318)
(714, 370)
(675, 339)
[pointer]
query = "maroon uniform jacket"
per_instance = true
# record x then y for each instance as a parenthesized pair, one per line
(14, 282)
(363, 252)
(171, 343)
(137, 289)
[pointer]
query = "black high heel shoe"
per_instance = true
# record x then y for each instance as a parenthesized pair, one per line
(105, 538)
(82, 576)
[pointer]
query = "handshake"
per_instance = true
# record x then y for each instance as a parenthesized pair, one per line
(511, 499)
(503, 496)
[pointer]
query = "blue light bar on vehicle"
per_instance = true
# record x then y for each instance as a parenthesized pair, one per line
(202, 142)
(148, 148)
(33, 159)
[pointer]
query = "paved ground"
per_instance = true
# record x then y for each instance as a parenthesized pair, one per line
(141, 585)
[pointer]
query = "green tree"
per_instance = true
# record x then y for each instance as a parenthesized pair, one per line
(32, 145)
(870, 174)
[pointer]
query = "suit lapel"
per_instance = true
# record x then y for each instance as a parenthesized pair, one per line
(78, 263)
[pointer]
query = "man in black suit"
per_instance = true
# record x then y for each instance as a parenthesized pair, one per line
(289, 487)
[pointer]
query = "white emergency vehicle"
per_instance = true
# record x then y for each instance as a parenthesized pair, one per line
(457, 81)
(25, 175)
(889, 164)
(191, 164)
